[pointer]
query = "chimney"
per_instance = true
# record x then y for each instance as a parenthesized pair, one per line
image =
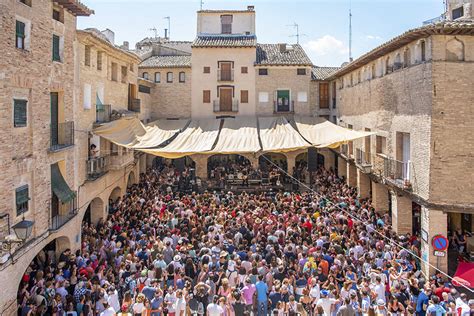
(126, 45)
(110, 35)
(282, 48)
(166, 33)
(250, 8)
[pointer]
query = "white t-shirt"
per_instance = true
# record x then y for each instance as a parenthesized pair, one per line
(171, 298)
(379, 289)
(326, 304)
(214, 310)
(180, 305)
(315, 292)
(108, 312)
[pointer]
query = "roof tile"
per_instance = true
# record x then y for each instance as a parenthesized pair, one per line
(166, 62)
(225, 41)
(270, 54)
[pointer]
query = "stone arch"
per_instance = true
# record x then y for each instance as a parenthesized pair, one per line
(214, 161)
(406, 57)
(455, 50)
(387, 65)
(115, 193)
(131, 179)
(95, 211)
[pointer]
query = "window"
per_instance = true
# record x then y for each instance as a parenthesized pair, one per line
(157, 77)
(19, 113)
(27, 2)
(263, 72)
(263, 97)
(99, 60)
(283, 101)
(182, 77)
(373, 71)
(324, 95)
(301, 71)
(124, 74)
(207, 70)
(144, 89)
(244, 96)
(423, 50)
(56, 48)
(114, 72)
(114, 149)
(22, 198)
(302, 96)
(58, 15)
(406, 58)
(87, 103)
(87, 55)
(145, 75)
(458, 12)
(387, 66)
(381, 145)
(226, 24)
(169, 77)
(334, 94)
(206, 96)
(20, 35)
(244, 70)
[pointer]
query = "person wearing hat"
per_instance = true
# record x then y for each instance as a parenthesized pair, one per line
(327, 303)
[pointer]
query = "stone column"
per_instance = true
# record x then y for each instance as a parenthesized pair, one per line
(149, 160)
(201, 166)
(401, 214)
(253, 160)
(434, 222)
(291, 161)
(363, 185)
(351, 175)
(379, 197)
(341, 167)
(329, 159)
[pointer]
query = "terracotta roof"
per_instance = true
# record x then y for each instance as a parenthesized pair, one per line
(166, 62)
(184, 46)
(225, 41)
(75, 7)
(322, 73)
(461, 27)
(101, 37)
(270, 54)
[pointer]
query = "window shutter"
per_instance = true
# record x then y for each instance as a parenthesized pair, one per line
(19, 113)
(20, 28)
(56, 56)
(244, 96)
(21, 199)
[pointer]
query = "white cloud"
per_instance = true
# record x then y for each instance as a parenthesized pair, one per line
(373, 37)
(326, 45)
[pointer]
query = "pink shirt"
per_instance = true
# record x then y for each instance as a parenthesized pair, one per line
(247, 293)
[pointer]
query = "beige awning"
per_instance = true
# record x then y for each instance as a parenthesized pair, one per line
(129, 132)
(277, 135)
(322, 133)
(198, 137)
(238, 135)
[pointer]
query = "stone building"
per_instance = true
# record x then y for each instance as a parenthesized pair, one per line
(37, 97)
(413, 93)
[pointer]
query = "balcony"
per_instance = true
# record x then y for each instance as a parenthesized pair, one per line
(363, 160)
(64, 214)
(134, 105)
(398, 172)
(103, 113)
(96, 167)
(284, 108)
(225, 75)
(117, 161)
(62, 136)
(234, 107)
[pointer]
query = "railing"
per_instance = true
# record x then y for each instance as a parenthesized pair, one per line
(284, 108)
(62, 135)
(69, 209)
(225, 75)
(398, 171)
(333, 103)
(344, 150)
(135, 105)
(363, 158)
(119, 161)
(217, 106)
(103, 113)
(96, 167)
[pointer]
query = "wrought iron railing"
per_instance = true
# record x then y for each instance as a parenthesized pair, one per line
(96, 167)
(225, 75)
(279, 108)
(135, 105)
(67, 212)
(103, 113)
(119, 161)
(217, 106)
(62, 135)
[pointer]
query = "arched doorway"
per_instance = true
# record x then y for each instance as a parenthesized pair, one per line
(131, 179)
(273, 168)
(228, 170)
(56, 255)
(95, 211)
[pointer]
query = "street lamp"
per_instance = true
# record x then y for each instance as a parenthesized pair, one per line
(22, 231)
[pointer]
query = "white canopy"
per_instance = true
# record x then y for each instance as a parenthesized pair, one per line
(238, 135)
(277, 134)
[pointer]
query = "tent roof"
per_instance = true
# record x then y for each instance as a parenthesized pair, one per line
(277, 134)
(238, 135)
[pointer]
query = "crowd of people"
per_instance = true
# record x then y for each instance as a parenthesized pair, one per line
(166, 252)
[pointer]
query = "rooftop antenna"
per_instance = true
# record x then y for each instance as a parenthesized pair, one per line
(169, 25)
(202, 2)
(350, 31)
(297, 35)
(155, 31)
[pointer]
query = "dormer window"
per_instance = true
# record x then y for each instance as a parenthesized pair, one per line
(226, 24)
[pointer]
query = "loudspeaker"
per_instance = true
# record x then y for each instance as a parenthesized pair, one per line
(312, 159)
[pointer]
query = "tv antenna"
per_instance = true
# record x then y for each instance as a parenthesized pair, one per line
(169, 25)
(297, 35)
(201, 2)
(155, 31)
(350, 31)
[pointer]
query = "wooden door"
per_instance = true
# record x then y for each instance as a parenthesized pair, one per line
(54, 118)
(225, 71)
(225, 100)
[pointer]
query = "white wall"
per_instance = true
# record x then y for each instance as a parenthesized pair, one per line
(210, 23)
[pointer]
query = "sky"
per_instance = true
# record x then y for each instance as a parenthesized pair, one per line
(323, 24)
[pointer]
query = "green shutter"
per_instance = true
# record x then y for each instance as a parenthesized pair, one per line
(19, 113)
(56, 56)
(20, 28)
(22, 198)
